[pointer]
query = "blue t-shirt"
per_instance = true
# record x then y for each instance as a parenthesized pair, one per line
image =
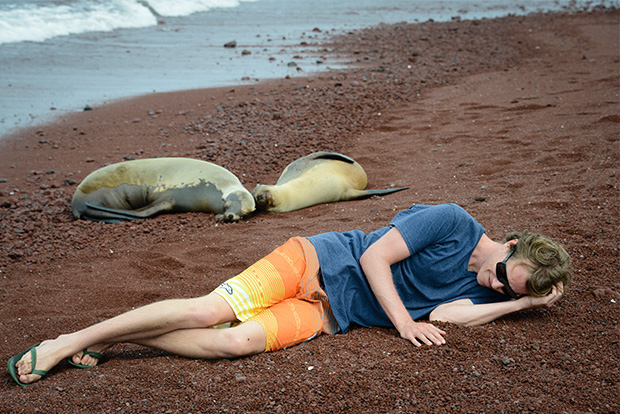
(441, 240)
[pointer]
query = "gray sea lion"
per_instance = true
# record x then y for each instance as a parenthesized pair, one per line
(321, 177)
(140, 189)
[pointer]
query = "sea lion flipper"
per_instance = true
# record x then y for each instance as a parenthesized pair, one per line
(302, 165)
(359, 194)
(332, 156)
(95, 212)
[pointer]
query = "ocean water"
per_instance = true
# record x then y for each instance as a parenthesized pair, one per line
(56, 57)
(39, 20)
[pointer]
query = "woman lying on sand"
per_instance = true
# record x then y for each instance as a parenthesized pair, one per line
(432, 262)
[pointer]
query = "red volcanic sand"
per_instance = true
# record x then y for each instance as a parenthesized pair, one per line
(515, 119)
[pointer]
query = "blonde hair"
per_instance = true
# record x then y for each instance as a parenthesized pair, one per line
(549, 262)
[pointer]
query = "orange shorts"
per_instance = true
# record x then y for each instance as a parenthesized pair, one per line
(282, 293)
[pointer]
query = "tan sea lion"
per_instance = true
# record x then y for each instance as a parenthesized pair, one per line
(140, 189)
(321, 177)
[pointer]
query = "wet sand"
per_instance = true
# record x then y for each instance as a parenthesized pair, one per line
(515, 119)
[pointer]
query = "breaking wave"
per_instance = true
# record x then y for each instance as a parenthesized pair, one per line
(38, 20)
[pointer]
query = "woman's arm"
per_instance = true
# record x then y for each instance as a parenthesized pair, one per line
(464, 312)
(376, 262)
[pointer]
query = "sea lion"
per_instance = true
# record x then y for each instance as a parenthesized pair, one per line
(320, 177)
(140, 189)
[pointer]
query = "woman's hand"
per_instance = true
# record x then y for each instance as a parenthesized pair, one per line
(545, 301)
(420, 333)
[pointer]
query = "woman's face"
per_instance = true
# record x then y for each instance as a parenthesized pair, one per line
(516, 270)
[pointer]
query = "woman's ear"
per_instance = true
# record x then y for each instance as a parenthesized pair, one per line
(511, 243)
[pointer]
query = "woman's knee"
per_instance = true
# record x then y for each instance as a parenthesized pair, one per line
(208, 311)
(242, 340)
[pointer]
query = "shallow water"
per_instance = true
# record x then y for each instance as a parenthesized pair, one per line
(64, 73)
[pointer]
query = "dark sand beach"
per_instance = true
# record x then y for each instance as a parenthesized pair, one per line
(516, 119)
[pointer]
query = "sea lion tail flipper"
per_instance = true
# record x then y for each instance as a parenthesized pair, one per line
(150, 210)
(370, 193)
(95, 212)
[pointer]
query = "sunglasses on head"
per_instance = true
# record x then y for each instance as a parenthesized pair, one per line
(502, 276)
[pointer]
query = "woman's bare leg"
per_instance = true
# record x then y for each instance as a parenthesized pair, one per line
(247, 338)
(139, 324)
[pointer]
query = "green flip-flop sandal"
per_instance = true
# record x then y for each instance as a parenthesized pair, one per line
(12, 362)
(86, 352)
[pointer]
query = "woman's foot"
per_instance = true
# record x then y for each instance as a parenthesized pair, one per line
(44, 355)
(89, 357)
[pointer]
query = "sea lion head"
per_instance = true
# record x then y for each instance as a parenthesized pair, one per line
(264, 197)
(237, 205)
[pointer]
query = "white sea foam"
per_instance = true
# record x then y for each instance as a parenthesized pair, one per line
(187, 7)
(37, 20)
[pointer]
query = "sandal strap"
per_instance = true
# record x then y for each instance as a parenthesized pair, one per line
(33, 357)
(93, 354)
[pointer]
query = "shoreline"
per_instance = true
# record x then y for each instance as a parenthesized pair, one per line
(43, 81)
(515, 119)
